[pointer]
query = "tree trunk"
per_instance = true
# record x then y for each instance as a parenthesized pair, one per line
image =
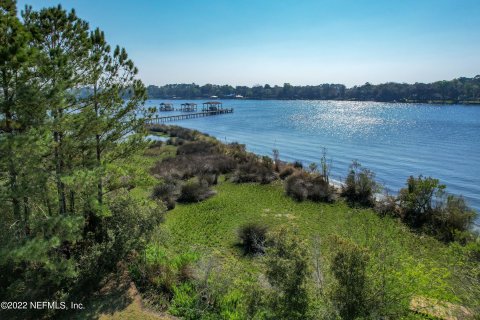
(12, 172)
(98, 150)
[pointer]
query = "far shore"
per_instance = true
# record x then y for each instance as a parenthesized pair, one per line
(446, 102)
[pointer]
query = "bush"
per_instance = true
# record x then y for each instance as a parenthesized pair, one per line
(253, 171)
(387, 206)
(187, 166)
(238, 152)
(168, 189)
(424, 204)
(253, 238)
(286, 172)
(288, 273)
(360, 186)
(297, 164)
(197, 147)
(302, 186)
(209, 179)
(319, 189)
(161, 271)
(166, 192)
(453, 219)
(195, 191)
(350, 295)
(155, 144)
(296, 187)
(418, 199)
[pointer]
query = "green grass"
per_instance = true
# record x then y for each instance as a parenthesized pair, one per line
(421, 265)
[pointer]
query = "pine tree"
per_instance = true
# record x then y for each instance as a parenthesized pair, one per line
(62, 38)
(18, 94)
(114, 119)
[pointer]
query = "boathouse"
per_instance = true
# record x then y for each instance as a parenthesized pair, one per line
(212, 106)
(166, 107)
(188, 107)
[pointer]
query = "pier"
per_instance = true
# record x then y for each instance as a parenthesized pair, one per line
(160, 120)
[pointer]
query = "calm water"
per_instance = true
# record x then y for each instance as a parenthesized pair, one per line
(394, 140)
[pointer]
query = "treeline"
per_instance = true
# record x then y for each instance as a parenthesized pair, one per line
(66, 213)
(461, 90)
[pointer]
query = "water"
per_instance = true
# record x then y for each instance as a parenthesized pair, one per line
(394, 140)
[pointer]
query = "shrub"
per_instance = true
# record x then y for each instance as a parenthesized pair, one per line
(162, 271)
(319, 189)
(195, 191)
(219, 164)
(360, 186)
(209, 179)
(238, 152)
(267, 162)
(253, 171)
(350, 295)
(166, 192)
(155, 144)
(302, 186)
(424, 204)
(276, 159)
(452, 219)
(288, 272)
(197, 147)
(297, 164)
(418, 200)
(253, 238)
(387, 206)
(286, 172)
(296, 187)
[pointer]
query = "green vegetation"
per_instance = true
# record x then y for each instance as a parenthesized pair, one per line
(261, 254)
(66, 169)
(409, 264)
(360, 186)
(91, 210)
(461, 90)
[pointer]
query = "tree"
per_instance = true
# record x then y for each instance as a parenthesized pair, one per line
(18, 93)
(62, 38)
(117, 128)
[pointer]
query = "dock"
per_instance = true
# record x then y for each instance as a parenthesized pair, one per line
(160, 120)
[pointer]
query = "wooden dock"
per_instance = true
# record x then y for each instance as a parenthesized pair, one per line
(160, 120)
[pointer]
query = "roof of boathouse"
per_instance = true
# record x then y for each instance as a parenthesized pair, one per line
(189, 104)
(166, 104)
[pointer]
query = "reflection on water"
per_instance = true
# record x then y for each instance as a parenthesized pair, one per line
(392, 139)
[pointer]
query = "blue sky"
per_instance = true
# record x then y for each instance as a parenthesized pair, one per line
(248, 42)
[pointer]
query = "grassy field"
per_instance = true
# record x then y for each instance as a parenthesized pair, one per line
(422, 264)
(409, 264)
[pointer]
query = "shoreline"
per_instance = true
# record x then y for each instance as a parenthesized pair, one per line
(335, 183)
(431, 102)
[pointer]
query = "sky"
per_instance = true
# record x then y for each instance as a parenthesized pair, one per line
(301, 42)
